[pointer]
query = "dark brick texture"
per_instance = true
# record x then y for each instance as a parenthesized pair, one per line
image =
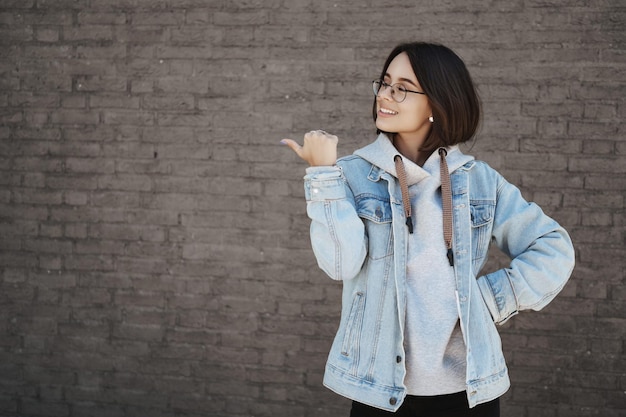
(155, 258)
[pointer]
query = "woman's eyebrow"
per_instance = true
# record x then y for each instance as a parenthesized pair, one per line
(406, 80)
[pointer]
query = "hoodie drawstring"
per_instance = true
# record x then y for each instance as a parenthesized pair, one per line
(446, 197)
(406, 201)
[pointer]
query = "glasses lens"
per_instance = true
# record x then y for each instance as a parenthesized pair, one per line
(376, 86)
(398, 93)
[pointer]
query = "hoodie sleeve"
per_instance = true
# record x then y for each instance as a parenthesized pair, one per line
(337, 233)
(541, 252)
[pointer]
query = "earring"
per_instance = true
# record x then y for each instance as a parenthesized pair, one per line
(430, 119)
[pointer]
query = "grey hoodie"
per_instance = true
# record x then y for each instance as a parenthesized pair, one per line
(434, 343)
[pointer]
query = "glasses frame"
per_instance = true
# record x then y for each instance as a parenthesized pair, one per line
(395, 88)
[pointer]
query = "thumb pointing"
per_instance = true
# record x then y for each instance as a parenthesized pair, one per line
(293, 145)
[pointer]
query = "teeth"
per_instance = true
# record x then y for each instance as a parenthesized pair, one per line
(387, 111)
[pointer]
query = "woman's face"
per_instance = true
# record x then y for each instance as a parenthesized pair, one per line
(410, 117)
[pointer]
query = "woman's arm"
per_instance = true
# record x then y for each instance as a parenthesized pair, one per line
(541, 252)
(337, 233)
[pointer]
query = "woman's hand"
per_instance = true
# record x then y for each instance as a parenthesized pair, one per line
(319, 149)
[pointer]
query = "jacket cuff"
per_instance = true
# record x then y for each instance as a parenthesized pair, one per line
(499, 296)
(324, 183)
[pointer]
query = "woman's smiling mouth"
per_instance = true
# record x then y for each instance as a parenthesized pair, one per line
(385, 111)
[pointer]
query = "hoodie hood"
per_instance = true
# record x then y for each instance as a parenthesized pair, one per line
(381, 153)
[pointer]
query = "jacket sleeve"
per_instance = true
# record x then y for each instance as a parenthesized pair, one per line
(337, 232)
(541, 252)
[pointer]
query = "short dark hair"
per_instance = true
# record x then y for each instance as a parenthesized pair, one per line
(450, 91)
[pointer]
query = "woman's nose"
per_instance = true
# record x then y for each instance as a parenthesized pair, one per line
(385, 93)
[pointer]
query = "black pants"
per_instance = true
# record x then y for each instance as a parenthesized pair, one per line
(449, 405)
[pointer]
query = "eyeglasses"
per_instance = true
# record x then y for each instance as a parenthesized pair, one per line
(398, 92)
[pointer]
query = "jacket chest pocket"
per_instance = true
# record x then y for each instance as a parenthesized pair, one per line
(481, 212)
(376, 215)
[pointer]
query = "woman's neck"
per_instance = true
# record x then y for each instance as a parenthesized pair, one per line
(410, 148)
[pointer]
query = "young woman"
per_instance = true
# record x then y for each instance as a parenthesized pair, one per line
(406, 223)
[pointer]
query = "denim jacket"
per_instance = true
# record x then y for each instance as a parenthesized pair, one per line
(359, 236)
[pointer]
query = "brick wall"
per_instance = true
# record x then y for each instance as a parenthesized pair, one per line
(154, 249)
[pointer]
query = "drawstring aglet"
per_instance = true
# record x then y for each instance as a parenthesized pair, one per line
(409, 223)
(451, 257)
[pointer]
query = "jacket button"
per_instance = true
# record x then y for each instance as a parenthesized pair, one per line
(393, 400)
(398, 359)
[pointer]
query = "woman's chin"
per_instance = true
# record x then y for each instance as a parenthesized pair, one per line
(382, 126)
